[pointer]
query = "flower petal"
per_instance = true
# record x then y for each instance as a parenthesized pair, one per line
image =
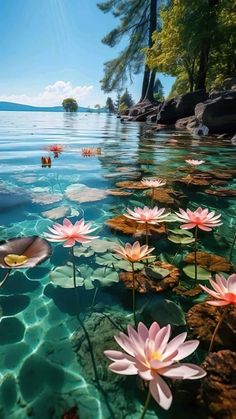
(161, 392)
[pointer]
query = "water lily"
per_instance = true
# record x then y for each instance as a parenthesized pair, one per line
(56, 149)
(224, 293)
(195, 163)
(150, 354)
(23, 252)
(68, 233)
(147, 216)
(224, 290)
(200, 218)
(153, 183)
(133, 253)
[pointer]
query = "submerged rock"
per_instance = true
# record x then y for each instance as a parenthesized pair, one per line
(202, 320)
(217, 393)
(120, 390)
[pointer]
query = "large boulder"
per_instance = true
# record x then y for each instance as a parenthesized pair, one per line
(218, 113)
(180, 107)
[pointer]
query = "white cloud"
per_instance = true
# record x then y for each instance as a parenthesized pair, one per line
(52, 95)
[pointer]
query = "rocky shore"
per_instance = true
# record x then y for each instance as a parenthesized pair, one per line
(200, 112)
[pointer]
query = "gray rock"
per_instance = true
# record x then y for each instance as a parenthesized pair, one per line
(181, 106)
(219, 113)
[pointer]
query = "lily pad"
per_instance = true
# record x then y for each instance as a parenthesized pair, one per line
(63, 276)
(213, 263)
(110, 260)
(156, 272)
(180, 240)
(202, 273)
(164, 312)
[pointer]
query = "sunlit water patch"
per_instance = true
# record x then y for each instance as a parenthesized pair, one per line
(46, 367)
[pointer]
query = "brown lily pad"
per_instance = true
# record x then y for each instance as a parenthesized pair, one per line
(193, 181)
(118, 192)
(131, 185)
(192, 292)
(202, 320)
(209, 261)
(46, 199)
(217, 394)
(221, 192)
(225, 175)
(145, 283)
(164, 196)
(131, 227)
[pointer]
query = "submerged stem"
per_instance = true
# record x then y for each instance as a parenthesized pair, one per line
(5, 278)
(133, 294)
(232, 248)
(195, 257)
(146, 232)
(146, 405)
(217, 328)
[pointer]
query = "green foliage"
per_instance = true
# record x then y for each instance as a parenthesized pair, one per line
(110, 105)
(126, 101)
(190, 29)
(70, 105)
(158, 91)
(133, 24)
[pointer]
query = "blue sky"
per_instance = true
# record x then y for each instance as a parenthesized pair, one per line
(52, 48)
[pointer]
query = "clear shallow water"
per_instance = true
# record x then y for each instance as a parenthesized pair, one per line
(41, 376)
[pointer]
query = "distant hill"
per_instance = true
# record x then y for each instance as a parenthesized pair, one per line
(9, 106)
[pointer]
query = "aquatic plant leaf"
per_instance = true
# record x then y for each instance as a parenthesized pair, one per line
(156, 272)
(102, 246)
(111, 261)
(164, 312)
(180, 240)
(63, 276)
(202, 273)
(83, 251)
(105, 276)
(181, 232)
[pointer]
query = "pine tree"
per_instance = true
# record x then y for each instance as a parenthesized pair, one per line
(110, 105)
(138, 21)
(126, 101)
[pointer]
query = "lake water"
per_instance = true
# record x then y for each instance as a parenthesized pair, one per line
(45, 364)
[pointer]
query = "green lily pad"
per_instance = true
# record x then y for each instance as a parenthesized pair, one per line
(111, 261)
(164, 312)
(181, 240)
(105, 276)
(63, 276)
(156, 272)
(202, 273)
(181, 232)
(83, 251)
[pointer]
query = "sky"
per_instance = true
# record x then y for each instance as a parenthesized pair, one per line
(52, 49)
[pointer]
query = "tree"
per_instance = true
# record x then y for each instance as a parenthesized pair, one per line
(70, 105)
(126, 101)
(110, 105)
(158, 91)
(195, 44)
(137, 21)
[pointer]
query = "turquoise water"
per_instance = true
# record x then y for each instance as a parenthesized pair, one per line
(44, 371)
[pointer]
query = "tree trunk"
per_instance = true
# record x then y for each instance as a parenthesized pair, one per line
(146, 77)
(205, 50)
(149, 78)
(149, 92)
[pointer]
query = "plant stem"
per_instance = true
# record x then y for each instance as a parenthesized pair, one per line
(195, 257)
(74, 268)
(5, 278)
(146, 405)
(232, 248)
(146, 230)
(217, 328)
(133, 294)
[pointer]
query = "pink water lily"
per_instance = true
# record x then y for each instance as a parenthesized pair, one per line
(153, 183)
(224, 290)
(195, 163)
(200, 218)
(151, 355)
(133, 253)
(147, 215)
(71, 233)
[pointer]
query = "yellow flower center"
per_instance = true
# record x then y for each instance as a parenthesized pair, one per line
(156, 356)
(13, 260)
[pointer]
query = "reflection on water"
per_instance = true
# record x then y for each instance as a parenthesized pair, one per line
(42, 370)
